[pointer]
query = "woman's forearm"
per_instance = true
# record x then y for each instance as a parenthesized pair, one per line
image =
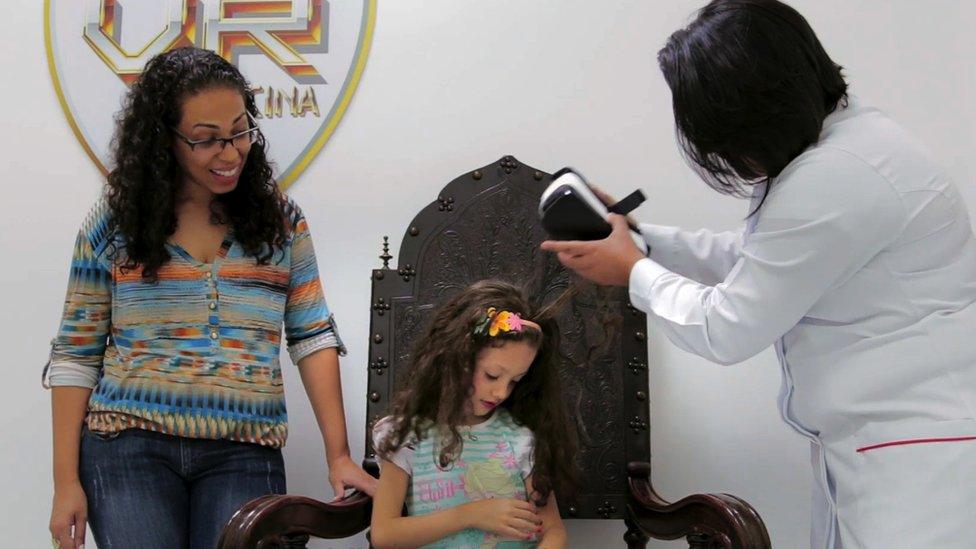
(69, 405)
(320, 375)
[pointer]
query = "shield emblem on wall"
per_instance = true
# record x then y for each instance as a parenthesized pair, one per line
(304, 59)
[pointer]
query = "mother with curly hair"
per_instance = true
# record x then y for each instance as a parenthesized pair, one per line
(167, 395)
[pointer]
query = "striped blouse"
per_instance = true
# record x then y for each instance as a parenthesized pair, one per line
(194, 354)
(497, 456)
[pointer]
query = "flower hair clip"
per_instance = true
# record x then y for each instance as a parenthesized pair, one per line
(498, 321)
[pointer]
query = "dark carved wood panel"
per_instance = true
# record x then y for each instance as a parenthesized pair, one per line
(485, 225)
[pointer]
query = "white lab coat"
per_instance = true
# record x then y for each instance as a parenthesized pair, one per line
(860, 268)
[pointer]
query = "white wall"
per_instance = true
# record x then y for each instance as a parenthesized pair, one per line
(451, 85)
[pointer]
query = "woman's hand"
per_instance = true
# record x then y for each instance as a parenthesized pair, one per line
(510, 518)
(344, 473)
(609, 201)
(604, 197)
(68, 516)
(607, 262)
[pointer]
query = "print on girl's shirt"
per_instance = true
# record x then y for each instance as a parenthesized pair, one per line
(436, 489)
(495, 460)
(487, 479)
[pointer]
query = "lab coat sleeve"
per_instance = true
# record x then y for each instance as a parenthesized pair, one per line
(825, 217)
(703, 255)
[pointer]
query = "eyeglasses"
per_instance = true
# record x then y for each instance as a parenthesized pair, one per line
(215, 145)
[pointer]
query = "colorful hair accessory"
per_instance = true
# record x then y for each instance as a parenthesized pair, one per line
(498, 321)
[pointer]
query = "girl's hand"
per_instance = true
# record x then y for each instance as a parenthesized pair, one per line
(510, 518)
(344, 473)
(68, 516)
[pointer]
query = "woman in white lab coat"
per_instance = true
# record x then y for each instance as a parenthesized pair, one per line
(857, 262)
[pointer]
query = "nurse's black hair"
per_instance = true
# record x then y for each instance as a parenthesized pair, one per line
(751, 85)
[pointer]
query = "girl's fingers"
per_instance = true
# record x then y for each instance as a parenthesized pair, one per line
(515, 533)
(528, 516)
(522, 504)
(530, 525)
(525, 526)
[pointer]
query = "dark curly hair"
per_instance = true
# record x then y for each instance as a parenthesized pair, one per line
(143, 186)
(442, 373)
(751, 85)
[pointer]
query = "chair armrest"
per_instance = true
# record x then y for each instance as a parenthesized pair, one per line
(275, 517)
(728, 521)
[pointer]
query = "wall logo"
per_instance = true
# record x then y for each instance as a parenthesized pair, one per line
(303, 57)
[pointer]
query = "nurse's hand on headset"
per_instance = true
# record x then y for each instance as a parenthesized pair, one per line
(609, 201)
(607, 262)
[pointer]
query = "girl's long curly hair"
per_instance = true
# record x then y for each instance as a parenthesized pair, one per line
(143, 187)
(441, 378)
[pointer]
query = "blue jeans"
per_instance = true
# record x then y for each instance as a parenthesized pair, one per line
(148, 490)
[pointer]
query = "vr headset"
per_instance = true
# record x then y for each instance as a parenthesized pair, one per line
(570, 210)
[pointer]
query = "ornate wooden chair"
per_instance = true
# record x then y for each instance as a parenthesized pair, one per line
(484, 224)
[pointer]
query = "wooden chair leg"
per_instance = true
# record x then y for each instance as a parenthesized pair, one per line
(700, 541)
(297, 541)
(634, 536)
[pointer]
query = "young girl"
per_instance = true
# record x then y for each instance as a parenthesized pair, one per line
(471, 445)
